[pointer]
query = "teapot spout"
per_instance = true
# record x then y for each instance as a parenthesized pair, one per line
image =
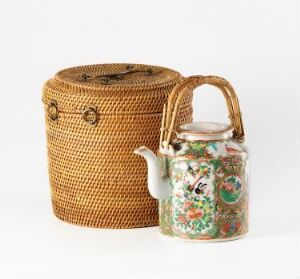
(158, 186)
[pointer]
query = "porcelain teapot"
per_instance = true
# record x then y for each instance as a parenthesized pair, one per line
(200, 176)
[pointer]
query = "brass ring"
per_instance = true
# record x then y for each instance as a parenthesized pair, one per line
(53, 110)
(90, 115)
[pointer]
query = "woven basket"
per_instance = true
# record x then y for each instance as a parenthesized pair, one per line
(96, 115)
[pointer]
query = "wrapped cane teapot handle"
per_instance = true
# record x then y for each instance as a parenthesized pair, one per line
(189, 84)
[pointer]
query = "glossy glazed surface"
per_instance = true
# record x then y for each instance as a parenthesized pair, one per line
(209, 191)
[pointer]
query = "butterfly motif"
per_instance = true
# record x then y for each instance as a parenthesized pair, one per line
(198, 186)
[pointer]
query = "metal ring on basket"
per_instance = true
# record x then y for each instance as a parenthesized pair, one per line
(90, 115)
(53, 110)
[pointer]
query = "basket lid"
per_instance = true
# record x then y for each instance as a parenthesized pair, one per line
(111, 87)
(117, 76)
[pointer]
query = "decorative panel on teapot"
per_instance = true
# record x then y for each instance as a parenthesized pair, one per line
(209, 193)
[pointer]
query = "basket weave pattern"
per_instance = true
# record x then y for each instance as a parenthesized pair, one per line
(95, 178)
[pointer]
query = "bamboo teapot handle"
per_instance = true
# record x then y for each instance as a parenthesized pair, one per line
(189, 84)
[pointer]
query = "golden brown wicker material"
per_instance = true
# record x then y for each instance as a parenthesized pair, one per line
(184, 89)
(96, 116)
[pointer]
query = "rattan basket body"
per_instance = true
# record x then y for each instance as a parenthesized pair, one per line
(96, 116)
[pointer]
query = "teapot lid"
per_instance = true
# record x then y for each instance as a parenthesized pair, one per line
(205, 131)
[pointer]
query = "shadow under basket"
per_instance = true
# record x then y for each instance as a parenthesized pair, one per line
(96, 115)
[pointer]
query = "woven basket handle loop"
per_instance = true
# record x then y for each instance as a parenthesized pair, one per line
(188, 85)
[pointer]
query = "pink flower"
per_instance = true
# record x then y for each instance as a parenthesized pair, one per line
(182, 219)
(194, 214)
(187, 204)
